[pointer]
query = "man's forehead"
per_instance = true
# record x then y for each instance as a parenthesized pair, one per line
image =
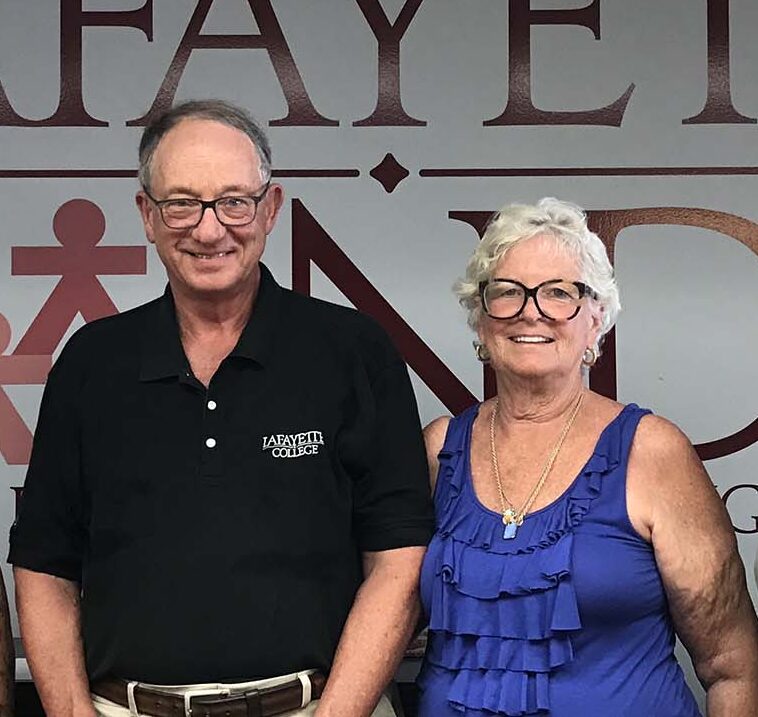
(205, 148)
(198, 135)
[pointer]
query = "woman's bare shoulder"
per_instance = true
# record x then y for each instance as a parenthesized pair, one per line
(434, 438)
(665, 476)
(434, 434)
(658, 441)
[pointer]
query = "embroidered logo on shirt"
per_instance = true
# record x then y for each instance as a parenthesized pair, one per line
(293, 445)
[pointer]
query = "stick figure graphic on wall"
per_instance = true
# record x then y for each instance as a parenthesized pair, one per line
(79, 225)
(15, 436)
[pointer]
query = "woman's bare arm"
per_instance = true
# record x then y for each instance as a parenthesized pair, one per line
(673, 499)
(434, 438)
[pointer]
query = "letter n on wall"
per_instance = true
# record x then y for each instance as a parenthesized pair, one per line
(312, 244)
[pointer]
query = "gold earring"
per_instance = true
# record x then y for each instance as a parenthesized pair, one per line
(589, 357)
(481, 352)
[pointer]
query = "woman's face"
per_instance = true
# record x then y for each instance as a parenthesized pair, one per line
(531, 345)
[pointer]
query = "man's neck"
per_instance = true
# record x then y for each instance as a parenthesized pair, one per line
(205, 315)
(210, 327)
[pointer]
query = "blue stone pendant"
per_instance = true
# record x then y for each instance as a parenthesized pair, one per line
(511, 524)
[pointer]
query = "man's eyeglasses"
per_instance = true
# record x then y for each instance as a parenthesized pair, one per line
(555, 299)
(232, 211)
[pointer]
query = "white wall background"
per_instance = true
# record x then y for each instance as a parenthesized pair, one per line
(687, 339)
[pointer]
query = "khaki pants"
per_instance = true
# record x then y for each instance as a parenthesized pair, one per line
(106, 708)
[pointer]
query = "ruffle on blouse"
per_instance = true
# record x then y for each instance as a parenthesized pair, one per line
(478, 529)
(503, 611)
(507, 693)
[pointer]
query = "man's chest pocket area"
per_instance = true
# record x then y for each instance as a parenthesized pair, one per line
(296, 461)
(293, 439)
(134, 474)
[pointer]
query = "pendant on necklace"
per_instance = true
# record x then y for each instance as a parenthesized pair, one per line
(511, 524)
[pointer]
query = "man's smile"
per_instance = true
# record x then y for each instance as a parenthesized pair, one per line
(209, 256)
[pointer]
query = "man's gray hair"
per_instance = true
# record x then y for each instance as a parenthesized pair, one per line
(215, 110)
(564, 221)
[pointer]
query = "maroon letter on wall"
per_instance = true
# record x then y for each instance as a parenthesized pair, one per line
(389, 107)
(310, 243)
(718, 105)
(607, 224)
(728, 494)
(71, 111)
(271, 38)
(520, 109)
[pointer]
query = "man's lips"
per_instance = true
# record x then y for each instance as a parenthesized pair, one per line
(530, 339)
(208, 256)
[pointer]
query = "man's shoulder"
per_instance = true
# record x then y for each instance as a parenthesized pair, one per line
(334, 322)
(110, 333)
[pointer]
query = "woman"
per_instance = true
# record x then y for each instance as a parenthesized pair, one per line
(575, 535)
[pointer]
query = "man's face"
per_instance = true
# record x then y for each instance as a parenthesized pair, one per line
(203, 159)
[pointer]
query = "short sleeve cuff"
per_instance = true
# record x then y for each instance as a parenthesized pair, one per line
(398, 535)
(39, 562)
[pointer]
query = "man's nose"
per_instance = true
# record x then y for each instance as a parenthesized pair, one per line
(210, 229)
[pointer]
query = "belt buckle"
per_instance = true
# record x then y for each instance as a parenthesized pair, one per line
(200, 693)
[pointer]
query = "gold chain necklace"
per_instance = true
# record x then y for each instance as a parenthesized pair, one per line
(513, 518)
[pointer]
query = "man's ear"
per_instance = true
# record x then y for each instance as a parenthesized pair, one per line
(271, 205)
(146, 210)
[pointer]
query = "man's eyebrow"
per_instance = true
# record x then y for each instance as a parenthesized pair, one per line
(238, 188)
(226, 189)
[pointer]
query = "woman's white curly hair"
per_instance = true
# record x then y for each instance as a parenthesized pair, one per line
(567, 223)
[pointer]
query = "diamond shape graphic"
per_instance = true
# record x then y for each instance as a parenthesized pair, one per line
(389, 173)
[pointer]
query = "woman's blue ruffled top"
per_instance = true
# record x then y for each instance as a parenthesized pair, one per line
(506, 622)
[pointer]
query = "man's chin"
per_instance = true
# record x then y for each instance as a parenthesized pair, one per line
(212, 282)
(211, 286)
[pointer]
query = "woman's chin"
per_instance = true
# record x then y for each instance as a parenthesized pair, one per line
(529, 369)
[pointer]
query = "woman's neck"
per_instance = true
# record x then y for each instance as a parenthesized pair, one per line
(536, 401)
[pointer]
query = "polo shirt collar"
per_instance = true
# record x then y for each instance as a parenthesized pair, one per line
(162, 351)
(257, 339)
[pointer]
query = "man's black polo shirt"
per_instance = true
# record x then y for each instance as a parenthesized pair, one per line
(217, 533)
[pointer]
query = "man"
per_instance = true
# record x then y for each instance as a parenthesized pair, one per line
(227, 484)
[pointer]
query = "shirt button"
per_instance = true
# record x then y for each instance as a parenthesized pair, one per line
(211, 405)
(210, 442)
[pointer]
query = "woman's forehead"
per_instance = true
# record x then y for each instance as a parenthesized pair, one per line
(539, 258)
